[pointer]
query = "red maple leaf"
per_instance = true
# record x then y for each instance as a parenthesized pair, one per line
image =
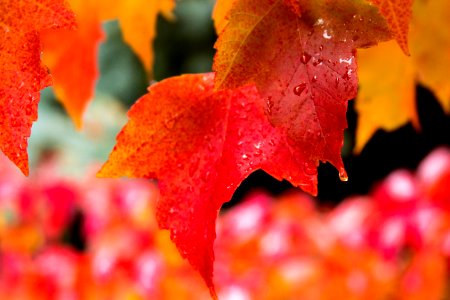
(22, 75)
(200, 145)
(305, 67)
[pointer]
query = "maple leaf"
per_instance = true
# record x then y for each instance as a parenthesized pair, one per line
(392, 103)
(398, 15)
(303, 66)
(220, 14)
(72, 59)
(23, 75)
(200, 144)
(386, 98)
(72, 56)
(431, 47)
(137, 19)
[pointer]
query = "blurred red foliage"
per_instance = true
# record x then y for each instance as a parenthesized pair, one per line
(391, 244)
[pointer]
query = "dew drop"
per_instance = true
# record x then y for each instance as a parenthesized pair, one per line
(206, 175)
(326, 35)
(298, 90)
(244, 156)
(336, 81)
(314, 79)
(347, 74)
(168, 123)
(305, 58)
(343, 175)
(270, 104)
(320, 47)
(310, 168)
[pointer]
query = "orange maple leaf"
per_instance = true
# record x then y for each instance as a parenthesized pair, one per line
(23, 75)
(72, 59)
(398, 15)
(72, 56)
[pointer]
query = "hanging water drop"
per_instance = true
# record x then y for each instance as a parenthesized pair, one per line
(298, 90)
(305, 58)
(343, 175)
(326, 35)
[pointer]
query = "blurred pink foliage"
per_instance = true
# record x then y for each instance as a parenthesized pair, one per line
(391, 244)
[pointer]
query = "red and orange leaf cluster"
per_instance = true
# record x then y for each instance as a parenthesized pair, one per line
(23, 75)
(277, 103)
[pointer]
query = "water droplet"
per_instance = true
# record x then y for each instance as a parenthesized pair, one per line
(206, 175)
(210, 147)
(336, 81)
(305, 58)
(270, 104)
(271, 142)
(317, 62)
(343, 175)
(347, 74)
(320, 47)
(28, 110)
(314, 79)
(244, 156)
(193, 167)
(310, 168)
(298, 90)
(320, 22)
(348, 61)
(326, 35)
(168, 123)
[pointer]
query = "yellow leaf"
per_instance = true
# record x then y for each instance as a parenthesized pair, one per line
(430, 43)
(137, 20)
(387, 91)
(388, 78)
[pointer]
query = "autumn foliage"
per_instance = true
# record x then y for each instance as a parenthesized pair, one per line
(277, 99)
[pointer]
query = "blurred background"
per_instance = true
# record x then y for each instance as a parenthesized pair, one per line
(62, 216)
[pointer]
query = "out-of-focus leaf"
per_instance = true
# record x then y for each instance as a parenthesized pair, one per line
(386, 98)
(23, 75)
